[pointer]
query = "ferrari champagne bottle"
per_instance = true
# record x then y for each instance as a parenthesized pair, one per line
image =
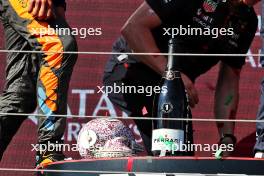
(169, 137)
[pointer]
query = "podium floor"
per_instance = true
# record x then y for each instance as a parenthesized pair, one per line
(143, 166)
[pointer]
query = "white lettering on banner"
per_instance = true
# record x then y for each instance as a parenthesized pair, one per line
(254, 62)
(108, 106)
(73, 131)
(69, 110)
(259, 26)
(83, 97)
(73, 128)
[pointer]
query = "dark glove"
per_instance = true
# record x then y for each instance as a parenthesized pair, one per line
(59, 3)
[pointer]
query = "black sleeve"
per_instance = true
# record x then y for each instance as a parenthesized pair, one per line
(167, 10)
(244, 42)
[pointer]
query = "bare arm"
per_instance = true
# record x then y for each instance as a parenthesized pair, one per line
(137, 32)
(227, 97)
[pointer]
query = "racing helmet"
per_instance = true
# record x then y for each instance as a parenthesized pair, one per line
(106, 138)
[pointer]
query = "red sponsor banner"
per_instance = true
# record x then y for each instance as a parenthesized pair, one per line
(107, 17)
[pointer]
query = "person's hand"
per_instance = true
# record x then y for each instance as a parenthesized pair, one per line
(40, 9)
(191, 90)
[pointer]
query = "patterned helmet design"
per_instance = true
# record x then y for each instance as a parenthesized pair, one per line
(106, 138)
